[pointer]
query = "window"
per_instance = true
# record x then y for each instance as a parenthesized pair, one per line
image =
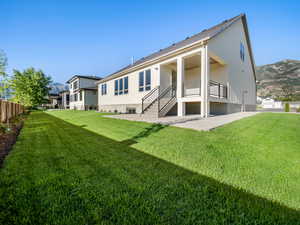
(103, 89)
(75, 85)
(141, 81)
(131, 110)
(71, 86)
(120, 86)
(145, 80)
(148, 80)
(242, 52)
(80, 96)
(116, 87)
(75, 97)
(125, 85)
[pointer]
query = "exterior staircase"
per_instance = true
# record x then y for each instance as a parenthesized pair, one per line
(158, 103)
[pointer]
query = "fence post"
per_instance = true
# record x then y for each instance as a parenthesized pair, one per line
(2, 112)
(6, 111)
(14, 109)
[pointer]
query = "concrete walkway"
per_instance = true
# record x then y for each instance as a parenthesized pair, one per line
(215, 121)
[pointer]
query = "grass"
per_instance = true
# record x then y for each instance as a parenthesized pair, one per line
(72, 167)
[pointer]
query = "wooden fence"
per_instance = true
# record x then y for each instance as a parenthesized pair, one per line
(9, 110)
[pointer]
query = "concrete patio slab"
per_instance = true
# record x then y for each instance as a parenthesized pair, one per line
(210, 123)
(167, 120)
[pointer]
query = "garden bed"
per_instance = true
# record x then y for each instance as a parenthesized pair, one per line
(8, 138)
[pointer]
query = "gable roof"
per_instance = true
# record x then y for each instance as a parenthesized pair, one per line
(205, 34)
(86, 77)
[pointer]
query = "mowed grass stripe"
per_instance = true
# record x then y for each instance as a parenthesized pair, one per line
(87, 169)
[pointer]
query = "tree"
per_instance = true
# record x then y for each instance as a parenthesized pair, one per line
(3, 63)
(3, 75)
(30, 87)
(288, 92)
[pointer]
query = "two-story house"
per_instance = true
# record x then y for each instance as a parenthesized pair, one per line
(212, 72)
(83, 92)
(65, 99)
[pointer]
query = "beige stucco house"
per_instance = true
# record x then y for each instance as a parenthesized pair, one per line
(65, 99)
(83, 92)
(211, 72)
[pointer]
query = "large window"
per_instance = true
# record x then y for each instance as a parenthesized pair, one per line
(75, 97)
(242, 52)
(116, 87)
(67, 98)
(121, 86)
(75, 85)
(148, 80)
(125, 85)
(103, 89)
(141, 81)
(145, 80)
(80, 96)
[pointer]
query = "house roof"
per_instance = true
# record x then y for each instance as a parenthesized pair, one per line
(83, 76)
(203, 35)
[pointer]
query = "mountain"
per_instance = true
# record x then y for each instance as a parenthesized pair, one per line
(56, 87)
(273, 79)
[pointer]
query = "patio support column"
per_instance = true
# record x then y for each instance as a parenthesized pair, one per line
(205, 77)
(180, 86)
(158, 75)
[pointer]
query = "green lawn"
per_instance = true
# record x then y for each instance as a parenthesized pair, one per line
(73, 167)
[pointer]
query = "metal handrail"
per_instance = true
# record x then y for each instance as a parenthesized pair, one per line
(148, 95)
(220, 86)
(165, 92)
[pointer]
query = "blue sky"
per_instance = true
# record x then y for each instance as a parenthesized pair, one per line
(98, 37)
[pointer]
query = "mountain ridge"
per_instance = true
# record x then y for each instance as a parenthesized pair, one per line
(277, 79)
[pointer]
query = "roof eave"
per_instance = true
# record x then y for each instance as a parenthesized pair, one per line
(155, 60)
(244, 20)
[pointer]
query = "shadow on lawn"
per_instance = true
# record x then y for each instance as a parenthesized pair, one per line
(153, 128)
(136, 188)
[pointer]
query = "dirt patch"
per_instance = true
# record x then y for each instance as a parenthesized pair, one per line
(7, 140)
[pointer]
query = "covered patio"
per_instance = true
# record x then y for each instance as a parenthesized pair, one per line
(197, 76)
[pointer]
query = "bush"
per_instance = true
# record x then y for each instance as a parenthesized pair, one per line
(298, 110)
(3, 128)
(287, 107)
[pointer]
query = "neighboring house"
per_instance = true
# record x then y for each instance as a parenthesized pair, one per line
(53, 101)
(211, 72)
(65, 99)
(294, 105)
(269, 103)
(83, 92)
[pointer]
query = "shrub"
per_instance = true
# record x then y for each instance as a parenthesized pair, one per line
(287, 107)
(298, 110)
(2, 128)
